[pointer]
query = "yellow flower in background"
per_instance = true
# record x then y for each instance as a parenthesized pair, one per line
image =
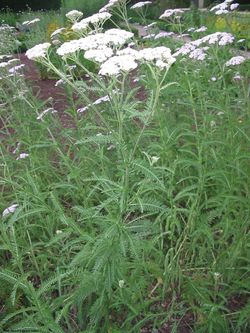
(52, 26)
(220, 23)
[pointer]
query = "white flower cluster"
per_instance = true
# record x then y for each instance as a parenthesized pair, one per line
(118, 64)
(224, 7)
(195, 51)
(95, 19)
(38, 52)
(128, 59)
(171, 12)
(235, 61)
(74, 15)
(141, 4)
(110, 5)
(113, 37)
(22, 156)
(99, 55)
(57, 32)
(31, 22)
(160, 56)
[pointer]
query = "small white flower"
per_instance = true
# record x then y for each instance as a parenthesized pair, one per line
(58, 232)
(212, 123)
(10, 210)
(22, 156)
(213, 78)
(154, 159)
(121, 283)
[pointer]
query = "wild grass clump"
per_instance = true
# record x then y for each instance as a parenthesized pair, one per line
(134, 216)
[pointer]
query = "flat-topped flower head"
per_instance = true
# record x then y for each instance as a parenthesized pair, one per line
(118, 64)
(224, 7)
(99, 55)
(235, 61)
(80, 26)
(95, 19)
(171, 12)
(141, 4)
(57, 32)
(110, 5)
(74, 15)
(159, 56)
(38, 52)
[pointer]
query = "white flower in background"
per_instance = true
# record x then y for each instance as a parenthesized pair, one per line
(224, 7)
(213, 78)
(56, 42)
(99, 55)
(22, 156)
(74, 15)
(57, 32)
(150, 36)
(164, 34)
(201, 29)
(16, 69)
(110, 5)
(151, 25)
(171, 12)
(10, 210)
(37, 52)
(14, 61)
(117, 65)
(141, 4)
(95, 19)
(234, 61)
(96, 102)
(220, 38)
(42, 114)
(241, 40)
(36, 20)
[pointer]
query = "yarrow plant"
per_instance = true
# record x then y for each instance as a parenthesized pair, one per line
(134, 174)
